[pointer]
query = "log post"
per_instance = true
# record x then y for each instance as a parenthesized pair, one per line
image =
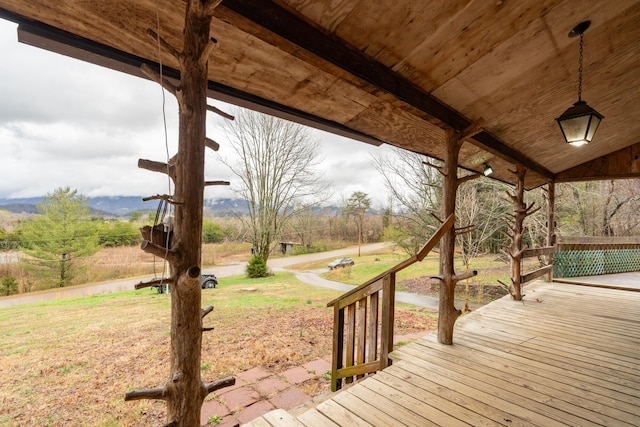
(185, 386)
(447, 312)
(184, 391)
(551, 224)
(517, 232)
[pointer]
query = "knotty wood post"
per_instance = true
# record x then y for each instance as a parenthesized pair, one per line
(184, 390)
(518, 233)
(520, 212)
(186, 322)
(551, 227)
(447, 312)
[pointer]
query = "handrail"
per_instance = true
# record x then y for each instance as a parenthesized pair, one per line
(364, 319)
(422, 253)
(547, 268)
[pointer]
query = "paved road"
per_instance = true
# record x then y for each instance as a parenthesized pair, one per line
(277, 264)
(312, 278)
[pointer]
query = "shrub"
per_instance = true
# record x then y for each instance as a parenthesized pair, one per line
(212, 232)
(8, 285)
(257, 267)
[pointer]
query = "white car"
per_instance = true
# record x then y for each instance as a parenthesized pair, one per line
(340, 262)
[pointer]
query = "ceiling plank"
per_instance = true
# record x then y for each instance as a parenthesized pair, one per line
(287, 25)
(46, 37)
(624, 163)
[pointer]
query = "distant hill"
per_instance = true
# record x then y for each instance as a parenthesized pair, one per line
(101, 206)
(124, 205)
(19, 207)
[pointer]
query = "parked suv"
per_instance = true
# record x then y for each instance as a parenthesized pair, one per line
(207, 281)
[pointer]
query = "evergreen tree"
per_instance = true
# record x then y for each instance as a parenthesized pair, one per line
(60, 237)
(356, 208)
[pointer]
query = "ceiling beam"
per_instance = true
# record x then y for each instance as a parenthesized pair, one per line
(290, 27)
(55, 40)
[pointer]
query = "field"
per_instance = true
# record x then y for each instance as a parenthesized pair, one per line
(70, 362)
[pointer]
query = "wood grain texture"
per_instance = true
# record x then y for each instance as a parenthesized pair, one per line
(565, 355)
(510, 63)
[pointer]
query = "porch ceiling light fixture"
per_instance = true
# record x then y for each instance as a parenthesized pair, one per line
(488, 170)
(580, 122)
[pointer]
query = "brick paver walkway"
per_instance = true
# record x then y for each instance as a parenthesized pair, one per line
(258, 391)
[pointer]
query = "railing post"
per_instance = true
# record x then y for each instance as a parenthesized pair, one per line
(351, 337)
(372, 340)
(388, 299)
(369, 351)
(338, 347)
(551, 226)
(361, 324)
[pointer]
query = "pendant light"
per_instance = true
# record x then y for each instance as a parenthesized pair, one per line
(580, 122)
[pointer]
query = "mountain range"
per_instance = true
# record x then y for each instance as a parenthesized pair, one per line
(123, 205)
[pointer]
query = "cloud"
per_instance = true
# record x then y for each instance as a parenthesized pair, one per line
(68, 123)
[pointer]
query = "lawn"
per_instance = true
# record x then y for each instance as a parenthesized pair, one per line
(69, 362)
(490, 268)
(416, 278)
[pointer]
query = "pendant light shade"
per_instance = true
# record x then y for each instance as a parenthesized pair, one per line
(579, 123)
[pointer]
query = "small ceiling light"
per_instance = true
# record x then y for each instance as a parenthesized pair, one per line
(488, 170)
(580, 122)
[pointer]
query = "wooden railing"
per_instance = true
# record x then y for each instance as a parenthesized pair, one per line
(537, 252)
(364, 319)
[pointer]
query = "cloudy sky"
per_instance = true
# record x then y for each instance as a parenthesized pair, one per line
(68, 123)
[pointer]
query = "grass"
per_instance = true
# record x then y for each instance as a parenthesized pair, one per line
(490, 269)
(129, 261)
(70, 361)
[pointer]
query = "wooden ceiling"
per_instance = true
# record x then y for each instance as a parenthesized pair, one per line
(396, 71)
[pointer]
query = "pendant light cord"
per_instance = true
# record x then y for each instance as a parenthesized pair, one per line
(580, 68)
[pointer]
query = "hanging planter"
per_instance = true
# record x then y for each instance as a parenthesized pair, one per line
(161, 233)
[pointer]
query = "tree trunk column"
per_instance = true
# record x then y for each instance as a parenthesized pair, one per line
(447, 312)
(551, 224)
(520, 211)
(186, 314)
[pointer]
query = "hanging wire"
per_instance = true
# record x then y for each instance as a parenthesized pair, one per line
(166, 146)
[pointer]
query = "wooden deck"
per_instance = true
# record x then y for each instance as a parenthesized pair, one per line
(568, 356)
(627, 281)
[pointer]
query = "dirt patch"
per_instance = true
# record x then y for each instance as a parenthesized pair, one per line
(70, 363)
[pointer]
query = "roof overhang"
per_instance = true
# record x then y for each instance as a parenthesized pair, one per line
(400, 77)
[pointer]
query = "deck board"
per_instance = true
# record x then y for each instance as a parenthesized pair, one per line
(567, 356)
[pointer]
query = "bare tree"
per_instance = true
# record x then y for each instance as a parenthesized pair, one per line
(600, 208)
(417, 190)
(618, 196)
(305, 226)
(276, 165)
(479, 209)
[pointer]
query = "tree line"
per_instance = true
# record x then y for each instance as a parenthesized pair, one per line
(275, 163)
